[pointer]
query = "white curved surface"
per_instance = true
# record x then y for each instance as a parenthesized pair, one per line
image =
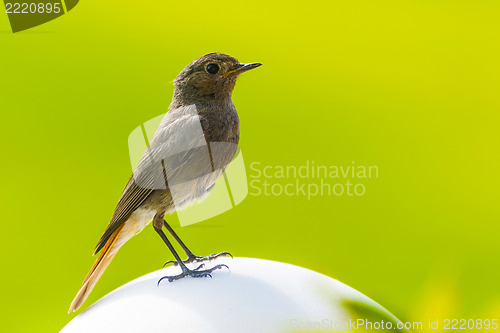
(255, 295)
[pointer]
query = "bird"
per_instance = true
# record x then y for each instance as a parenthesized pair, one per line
(194, 143)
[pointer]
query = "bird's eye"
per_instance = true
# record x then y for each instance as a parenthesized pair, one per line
(212, 68)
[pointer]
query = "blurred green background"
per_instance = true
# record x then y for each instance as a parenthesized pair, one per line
(409, 86)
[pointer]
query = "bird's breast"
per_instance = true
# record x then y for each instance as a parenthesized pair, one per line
(220, 123)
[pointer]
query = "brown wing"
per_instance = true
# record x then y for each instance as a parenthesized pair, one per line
(132, 198)
(179, 129)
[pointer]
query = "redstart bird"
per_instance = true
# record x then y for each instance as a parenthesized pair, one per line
(190, 150)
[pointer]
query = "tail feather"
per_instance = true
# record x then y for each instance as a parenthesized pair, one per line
(105, 256)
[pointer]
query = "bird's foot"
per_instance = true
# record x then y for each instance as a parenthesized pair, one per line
(196, 273)
(192, 258)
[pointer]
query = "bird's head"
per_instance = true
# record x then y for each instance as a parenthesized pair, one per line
(211, 76)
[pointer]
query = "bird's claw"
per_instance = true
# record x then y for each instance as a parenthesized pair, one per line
(196, 273)
(193, 258)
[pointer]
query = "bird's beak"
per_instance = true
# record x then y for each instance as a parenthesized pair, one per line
(243, 68)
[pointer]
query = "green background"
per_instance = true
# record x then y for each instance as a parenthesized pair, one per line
(409, 86)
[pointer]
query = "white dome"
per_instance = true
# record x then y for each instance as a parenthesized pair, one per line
(255, 296)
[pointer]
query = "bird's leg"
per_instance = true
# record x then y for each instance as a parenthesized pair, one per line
(185, 271)
(191, 257)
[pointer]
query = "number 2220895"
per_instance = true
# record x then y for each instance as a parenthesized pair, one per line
(32, 8)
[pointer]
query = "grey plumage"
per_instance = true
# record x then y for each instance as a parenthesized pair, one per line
(219, 121)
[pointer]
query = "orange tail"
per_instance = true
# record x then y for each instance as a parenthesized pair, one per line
(105, 257)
